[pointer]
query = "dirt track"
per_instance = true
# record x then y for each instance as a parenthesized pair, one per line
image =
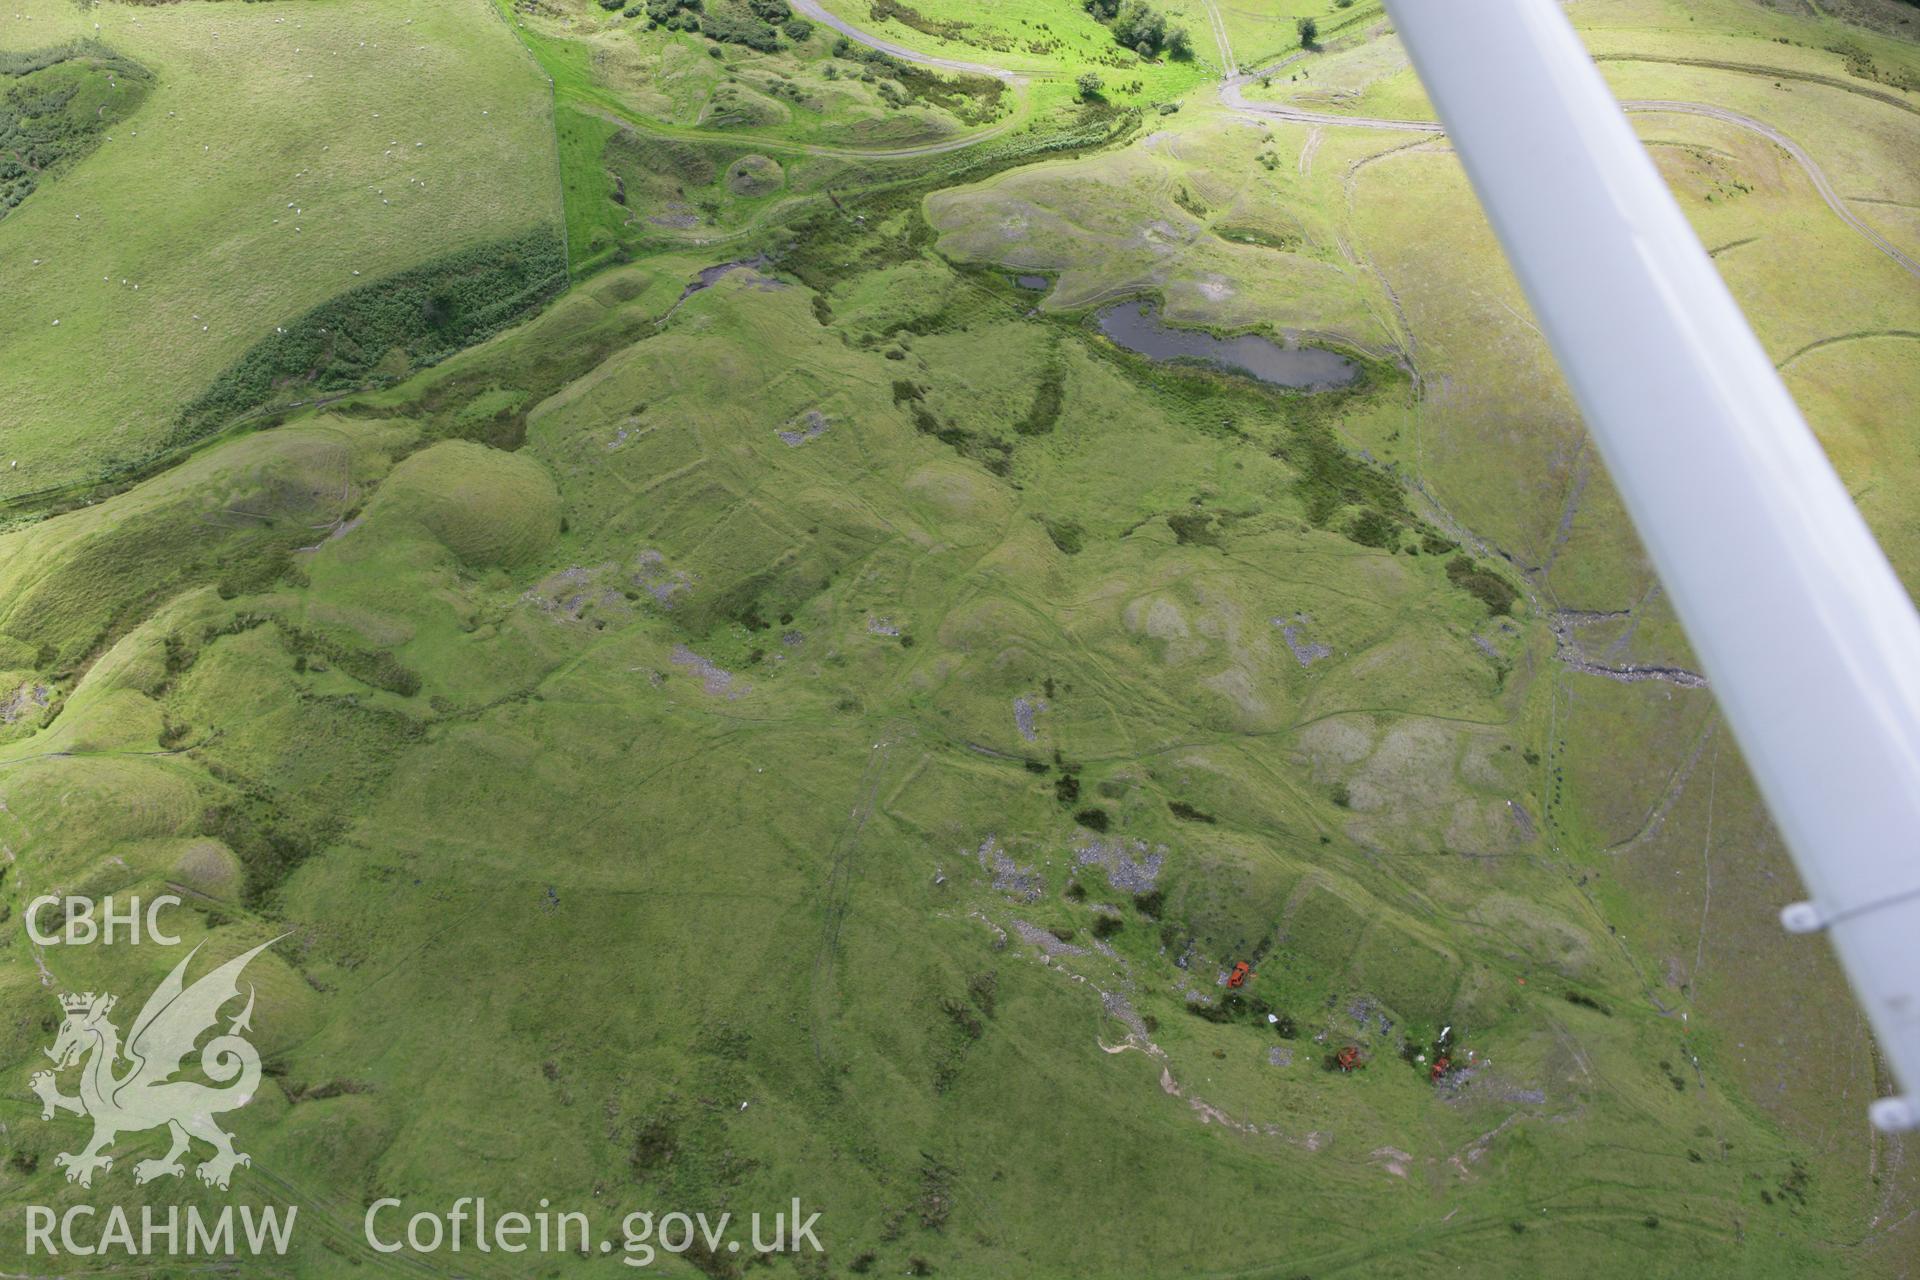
(816, 12)
(1800, 157)
(1233, 97)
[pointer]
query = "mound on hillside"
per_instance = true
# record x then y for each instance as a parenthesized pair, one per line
(735, 106)
(755, 175)
(487, 507)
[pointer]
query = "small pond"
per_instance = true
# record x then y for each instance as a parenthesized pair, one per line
(1137, 327)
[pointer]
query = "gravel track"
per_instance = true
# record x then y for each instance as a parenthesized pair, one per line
(817, 12)
(1233, 97)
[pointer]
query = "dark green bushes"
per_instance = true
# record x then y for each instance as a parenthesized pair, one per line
(56, 105)
(1048, 399)
(1067, 535)
(975, 99)
(1375, 529)
(1197, 528)
(1093, 819)
(375, 667)
(1483, 585)
(1142, 28)
(423, 315)
(754, 24)
(1237, 1006)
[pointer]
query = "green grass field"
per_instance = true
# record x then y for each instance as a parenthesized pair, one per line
(221, 210)
(827, 727)
(723, 595)
(1040, 36)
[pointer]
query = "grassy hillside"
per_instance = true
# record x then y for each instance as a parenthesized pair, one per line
(284, 154)
(56, 104)
(803, 715)
(992, 802)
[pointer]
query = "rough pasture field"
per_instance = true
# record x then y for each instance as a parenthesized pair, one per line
(805, 715)
(1039, 36)
(465, 687)
(55, 106)
(1199, 216)
(285, 154)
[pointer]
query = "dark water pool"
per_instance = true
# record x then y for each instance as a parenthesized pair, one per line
(1137, 327)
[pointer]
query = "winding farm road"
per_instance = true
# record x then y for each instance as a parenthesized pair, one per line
(1800, 157)
(1228, 66)
(1233, 96)
(817, 12)
(1233, 85)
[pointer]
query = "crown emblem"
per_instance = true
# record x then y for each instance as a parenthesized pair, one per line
(77, 1002)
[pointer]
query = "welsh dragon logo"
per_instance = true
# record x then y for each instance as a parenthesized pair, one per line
(142, 1096)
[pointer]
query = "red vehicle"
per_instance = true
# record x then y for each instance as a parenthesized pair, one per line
(1239, 975)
